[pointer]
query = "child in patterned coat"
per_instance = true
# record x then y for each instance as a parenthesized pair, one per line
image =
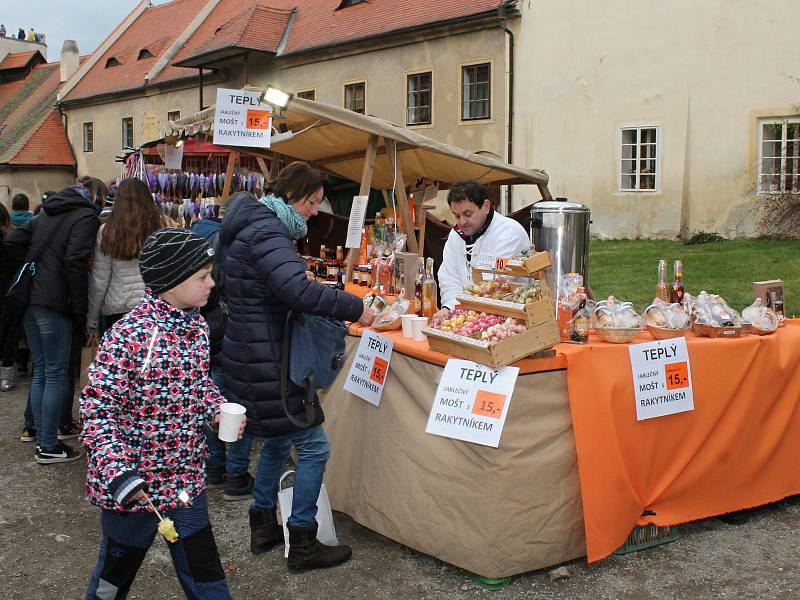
(148, 398)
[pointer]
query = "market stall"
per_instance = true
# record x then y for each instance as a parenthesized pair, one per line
(561, 471)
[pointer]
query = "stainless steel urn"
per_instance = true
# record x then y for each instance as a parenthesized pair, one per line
(562, 228)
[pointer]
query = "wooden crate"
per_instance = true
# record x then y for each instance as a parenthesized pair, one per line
(500, 354)
(532, 314)
(530, 267)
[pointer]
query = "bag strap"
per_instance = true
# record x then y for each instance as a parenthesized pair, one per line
(308, 397)
(284, 476)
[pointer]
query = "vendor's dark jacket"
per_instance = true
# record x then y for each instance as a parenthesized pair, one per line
(67, 226)
(264, 279)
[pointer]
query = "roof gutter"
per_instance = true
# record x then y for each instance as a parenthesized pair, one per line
(501, 13)
(70, 84)
(180, 41)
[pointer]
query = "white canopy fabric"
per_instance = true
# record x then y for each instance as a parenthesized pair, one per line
(335, 140)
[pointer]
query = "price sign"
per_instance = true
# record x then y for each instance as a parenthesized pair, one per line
(370, 367)
(500, 264)
(677, 375)
(379, 369)
(241, 120)
(488, 404)
(662, 378)
(258, 119)
(472, 401)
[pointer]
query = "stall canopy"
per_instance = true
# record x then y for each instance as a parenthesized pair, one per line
(336, 140)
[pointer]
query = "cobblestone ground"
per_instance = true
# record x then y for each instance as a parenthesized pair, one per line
(49, 538)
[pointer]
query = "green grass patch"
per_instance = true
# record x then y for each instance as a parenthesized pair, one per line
(628, 269)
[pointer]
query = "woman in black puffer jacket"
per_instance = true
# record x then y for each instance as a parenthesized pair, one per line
(264, 280)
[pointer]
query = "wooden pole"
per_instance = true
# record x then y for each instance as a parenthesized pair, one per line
(226, 187)
(544, 191)
(366, 185)
(423, 217)
(400, 194)
(262, 164)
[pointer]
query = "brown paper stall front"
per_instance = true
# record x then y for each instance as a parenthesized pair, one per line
(494, 512)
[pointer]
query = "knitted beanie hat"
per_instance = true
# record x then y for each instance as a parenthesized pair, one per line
(170, 256)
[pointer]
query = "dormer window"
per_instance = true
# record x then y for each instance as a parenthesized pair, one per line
(112, 62)
(346, 3)
(144, 53)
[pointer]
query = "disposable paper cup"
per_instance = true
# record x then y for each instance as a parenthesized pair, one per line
(405, 321)
(417, 323)
(230, 419)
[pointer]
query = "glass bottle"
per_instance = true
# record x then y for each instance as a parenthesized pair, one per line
(418, 283)
(662, 291)
(339, 253)
(580, 321)
(776, 304)
(429, 291)
(677, 291)
(323, 252)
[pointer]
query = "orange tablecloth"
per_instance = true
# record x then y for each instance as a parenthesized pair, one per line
(739, 448)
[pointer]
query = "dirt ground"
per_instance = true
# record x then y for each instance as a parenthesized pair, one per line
(49, 537)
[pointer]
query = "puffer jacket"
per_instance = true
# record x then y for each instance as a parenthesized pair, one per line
(148, 398)
(264, 279)
(66, 228)
(115, 286)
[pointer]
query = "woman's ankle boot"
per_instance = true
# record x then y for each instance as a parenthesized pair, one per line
(265, 530)
(307, 552)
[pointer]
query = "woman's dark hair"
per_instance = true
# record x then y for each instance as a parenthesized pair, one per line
(96, 188)
(296, 181)
(5, 218)
(20, 202)
(468, 190)
(134, 218)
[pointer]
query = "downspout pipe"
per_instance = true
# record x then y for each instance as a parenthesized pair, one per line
(501, 13)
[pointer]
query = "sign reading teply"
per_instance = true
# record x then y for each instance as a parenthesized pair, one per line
(472, 402)
(241, 120)
(370, 366)
(662, 378)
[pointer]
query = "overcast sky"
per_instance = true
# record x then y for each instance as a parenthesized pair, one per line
(86, 21)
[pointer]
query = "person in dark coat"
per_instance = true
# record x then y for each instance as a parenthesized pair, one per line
(265, 279)
(64, 235)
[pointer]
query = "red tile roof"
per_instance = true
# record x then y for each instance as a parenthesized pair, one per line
(16, 60)
(257, 25)
(31, 132)
(48, 146)
(318, 23)
(155, 29)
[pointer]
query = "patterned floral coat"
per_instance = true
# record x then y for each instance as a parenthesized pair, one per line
(148, 398)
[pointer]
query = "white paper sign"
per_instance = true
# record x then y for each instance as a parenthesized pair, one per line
(370, 367)
(173, 157)
(357, 214)
(662, 378)
(472, 402)
(241, 120)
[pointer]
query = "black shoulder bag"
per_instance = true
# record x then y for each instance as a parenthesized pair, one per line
(18, 296)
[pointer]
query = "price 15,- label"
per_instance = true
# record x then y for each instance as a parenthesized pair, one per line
(488, 404)
(677, 375)
(378, 372)
(258, 119)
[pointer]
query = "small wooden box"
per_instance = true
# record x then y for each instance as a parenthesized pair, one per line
(495, 355)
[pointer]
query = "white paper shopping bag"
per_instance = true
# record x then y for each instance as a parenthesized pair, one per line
(326, 532)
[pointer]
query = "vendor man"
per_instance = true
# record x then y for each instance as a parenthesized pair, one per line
(480, 236)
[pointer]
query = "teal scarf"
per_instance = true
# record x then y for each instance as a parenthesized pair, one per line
(288, 215)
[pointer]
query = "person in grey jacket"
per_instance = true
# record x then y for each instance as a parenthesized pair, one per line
(116, 285)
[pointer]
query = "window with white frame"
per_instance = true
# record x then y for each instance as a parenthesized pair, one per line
(355, 97)
(779, 155)
(419, 87)
(127, 132)
(476, 92)
(88, 137)
(638, 171)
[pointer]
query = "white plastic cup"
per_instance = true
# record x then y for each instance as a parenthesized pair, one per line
(230, 419)
(417, 323)
(405, 321)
